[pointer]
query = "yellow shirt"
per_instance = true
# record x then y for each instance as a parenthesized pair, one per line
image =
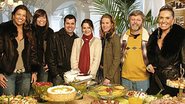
(134, 68)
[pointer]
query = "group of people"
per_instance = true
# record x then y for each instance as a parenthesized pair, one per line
(32, 51)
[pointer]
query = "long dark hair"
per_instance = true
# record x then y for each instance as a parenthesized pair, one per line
(40, 13)
(88, 21)
(26, 26)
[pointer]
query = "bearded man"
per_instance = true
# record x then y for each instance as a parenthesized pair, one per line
(134, 59)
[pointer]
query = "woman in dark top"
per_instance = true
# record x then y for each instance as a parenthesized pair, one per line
(166, 53)
(42, 32)
(18, 59)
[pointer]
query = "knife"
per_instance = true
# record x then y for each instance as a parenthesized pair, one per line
(158, 81)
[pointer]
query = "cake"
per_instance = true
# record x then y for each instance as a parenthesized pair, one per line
(180, 83)
(61, 93)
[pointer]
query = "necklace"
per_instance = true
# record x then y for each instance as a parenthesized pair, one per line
(134, 35)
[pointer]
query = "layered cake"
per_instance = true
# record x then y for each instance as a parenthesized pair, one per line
(180, 83)
(61, 93)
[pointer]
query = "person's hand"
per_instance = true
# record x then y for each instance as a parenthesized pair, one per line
(45, 68)
(3, 81)
(33, 77)
(150, 68)
(106, 82)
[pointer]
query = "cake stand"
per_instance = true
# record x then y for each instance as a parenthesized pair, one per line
(51, 101)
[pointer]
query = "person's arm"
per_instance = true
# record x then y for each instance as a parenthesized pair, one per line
(96, 58)
(74, 53)
(49, 36)
(35, 65)
(151, 53)
(51, 50)
(2, 77)
(116, 48)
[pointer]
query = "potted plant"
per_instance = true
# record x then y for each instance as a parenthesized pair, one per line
(120, 9)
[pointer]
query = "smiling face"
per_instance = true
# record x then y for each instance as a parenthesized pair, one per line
(70, 26)
(136, 23)
(165, 20)
(19, 17)
(41, 21)
(86, 29)
(106, 25)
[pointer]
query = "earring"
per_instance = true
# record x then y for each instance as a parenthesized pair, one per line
(159, 35)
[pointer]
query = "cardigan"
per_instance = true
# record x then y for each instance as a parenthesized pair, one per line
(95, 54)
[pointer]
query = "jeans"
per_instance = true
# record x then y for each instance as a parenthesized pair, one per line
(135, 85)
(18, 84)
(42, 75)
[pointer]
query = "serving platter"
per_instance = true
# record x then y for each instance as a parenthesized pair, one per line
(46, 98)
(109, 91)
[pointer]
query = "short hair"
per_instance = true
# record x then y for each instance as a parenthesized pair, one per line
(137, 13)
(38, 13)
(69, 16)
(88, 21)
(167, 8)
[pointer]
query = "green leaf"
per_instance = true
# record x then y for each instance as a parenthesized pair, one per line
(120, 9)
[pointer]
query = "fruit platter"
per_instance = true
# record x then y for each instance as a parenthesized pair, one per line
(41, 87)
(105, 101)
(109, 91)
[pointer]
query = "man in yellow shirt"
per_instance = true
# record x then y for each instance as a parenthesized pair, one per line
(134, 59)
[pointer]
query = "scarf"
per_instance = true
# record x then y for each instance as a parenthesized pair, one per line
(84, 61)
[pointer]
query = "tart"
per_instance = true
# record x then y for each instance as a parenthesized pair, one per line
(61, 93)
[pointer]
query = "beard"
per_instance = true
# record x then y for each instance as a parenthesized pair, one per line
(136, 27)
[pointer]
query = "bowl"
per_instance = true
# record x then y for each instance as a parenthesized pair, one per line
(110, 91)
(79, 86)
(41, 87)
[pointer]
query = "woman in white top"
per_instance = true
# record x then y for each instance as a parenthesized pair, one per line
(86, 51)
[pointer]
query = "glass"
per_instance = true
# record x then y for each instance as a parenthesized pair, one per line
(82, 87)
(135, 100)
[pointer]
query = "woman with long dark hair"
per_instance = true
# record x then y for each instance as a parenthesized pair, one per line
(86, 51)
(18, 60)
(166, 53)
(42, 33)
